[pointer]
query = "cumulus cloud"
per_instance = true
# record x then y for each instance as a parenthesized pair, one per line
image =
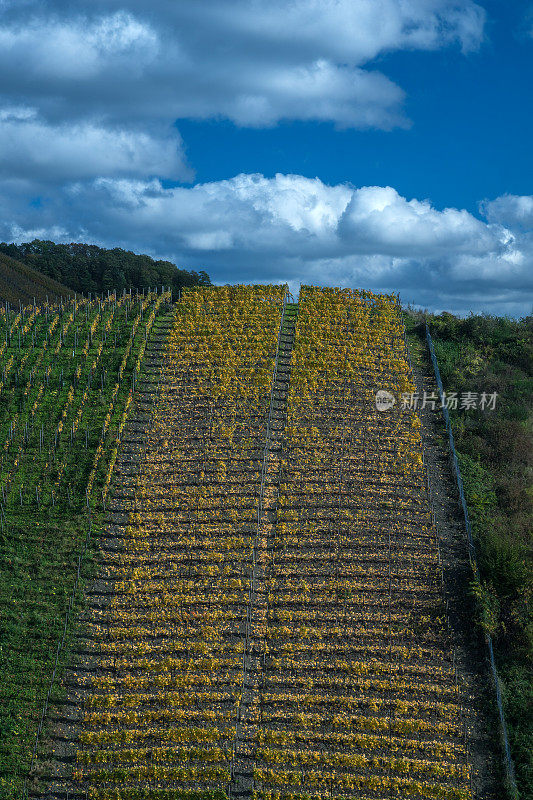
(406, 227)
(254, 62)
(33, 149)
(91, 91)
(510, 209)
(89, 98)
(291, 215)
(253, 228)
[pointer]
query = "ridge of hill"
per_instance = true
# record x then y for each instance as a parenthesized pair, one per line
(21, 283)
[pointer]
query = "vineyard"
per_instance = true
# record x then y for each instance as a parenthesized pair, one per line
(359, 695)
(264, 617)
(67, 373)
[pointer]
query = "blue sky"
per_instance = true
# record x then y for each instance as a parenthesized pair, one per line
(384, 144)
(470, 138)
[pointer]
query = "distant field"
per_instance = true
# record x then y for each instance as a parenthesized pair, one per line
(22, 284)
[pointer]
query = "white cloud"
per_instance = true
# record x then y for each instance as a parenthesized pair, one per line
(319, 90)
(33, 149)
(510, 209)
(17, 113)
(300, 203)
(94, 90)
(252, 228)
(290, 214)
(78, 48)
(254, 62)
(89, 94)
(56, 233)
(380, 214)
(348, 31)
(209, 240)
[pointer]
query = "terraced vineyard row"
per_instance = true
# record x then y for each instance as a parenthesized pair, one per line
(66, 378)
(359, 693)
(163, 707)
(268, 620)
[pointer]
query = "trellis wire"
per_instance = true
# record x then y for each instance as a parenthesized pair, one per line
(509, 767)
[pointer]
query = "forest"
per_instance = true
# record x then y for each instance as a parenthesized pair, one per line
(86, 268)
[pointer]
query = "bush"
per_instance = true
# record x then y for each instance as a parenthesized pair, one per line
(495, 452)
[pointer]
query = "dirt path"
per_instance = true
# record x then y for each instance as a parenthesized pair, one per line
(246, 729)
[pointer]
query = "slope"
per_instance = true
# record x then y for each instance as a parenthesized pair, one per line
(88, 269)
(22, 284)
(269, 620)
(66, 374)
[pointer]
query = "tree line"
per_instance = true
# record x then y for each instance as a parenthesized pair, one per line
(88, 268)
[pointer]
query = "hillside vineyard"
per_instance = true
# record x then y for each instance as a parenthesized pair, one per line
(273, 624)
(67, 374)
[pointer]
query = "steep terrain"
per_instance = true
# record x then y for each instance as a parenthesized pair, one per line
(269, 613)
(22, 284)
